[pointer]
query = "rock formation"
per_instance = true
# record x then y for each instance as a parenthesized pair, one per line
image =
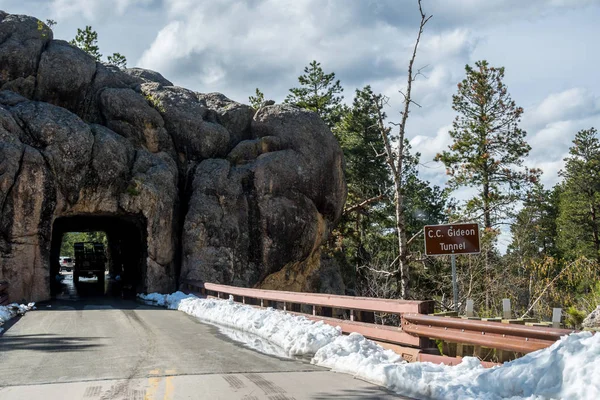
(223, 193)
(592, 321)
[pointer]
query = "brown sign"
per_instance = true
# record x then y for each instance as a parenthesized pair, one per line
(441, 240)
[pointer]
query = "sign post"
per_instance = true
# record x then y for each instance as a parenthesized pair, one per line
(452, 239)
(454, 283)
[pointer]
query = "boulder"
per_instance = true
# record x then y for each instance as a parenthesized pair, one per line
(197, 186)
(592, 321)
(148, 75)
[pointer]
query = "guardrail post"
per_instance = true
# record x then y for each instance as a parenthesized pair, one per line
(314, 310)
(506, 314)
(351, 315)
(284, 306)
(262, 304)
(556, 317)
(243, 299)
(469, 309)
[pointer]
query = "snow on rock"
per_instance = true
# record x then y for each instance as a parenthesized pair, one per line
(569, 369)
(12, 310)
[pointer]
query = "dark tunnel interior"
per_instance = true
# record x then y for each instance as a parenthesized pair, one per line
(125, 253)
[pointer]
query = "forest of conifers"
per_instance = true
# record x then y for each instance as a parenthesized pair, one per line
(554, 255)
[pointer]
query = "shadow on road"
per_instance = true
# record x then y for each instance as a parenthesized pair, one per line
(47, 343)
(363, 394)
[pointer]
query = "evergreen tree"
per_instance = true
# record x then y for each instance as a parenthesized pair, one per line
(367, 175)
(488, 146)
(366, 229)
(368, 182)
(579, 218)
(257, 100)
(118, 60)
(87, 40)
(319, 92)
(534, 232)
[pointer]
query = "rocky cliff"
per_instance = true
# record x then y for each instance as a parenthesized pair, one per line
(223, 192)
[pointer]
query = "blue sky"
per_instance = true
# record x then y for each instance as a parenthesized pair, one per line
(548, 47)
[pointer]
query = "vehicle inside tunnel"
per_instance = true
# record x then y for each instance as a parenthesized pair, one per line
(94, 255)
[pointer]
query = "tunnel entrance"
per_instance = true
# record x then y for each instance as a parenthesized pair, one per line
(82, 238)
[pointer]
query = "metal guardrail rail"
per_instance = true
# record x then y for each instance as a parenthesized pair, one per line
(496, 335)
(318, 301)
(413, 338)
(4, 293)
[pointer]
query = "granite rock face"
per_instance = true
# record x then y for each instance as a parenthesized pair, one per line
(592, 321)
(223, 193)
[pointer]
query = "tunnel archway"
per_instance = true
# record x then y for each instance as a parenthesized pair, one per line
(126, 250)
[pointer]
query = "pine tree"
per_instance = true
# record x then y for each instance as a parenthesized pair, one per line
(257, 100)
(368, 184)
(118, 60)
(488, 146)
(579, 218)
(534, 231)
(367, 175)
(366, 229)
(87, 40)
(319, 92)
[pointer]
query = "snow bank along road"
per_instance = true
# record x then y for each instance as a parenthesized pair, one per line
(115, 349)
(569, 369)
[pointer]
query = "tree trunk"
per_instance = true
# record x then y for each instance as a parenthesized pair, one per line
(403, 274)
(487, 220)
(394, 160)
(595, 232)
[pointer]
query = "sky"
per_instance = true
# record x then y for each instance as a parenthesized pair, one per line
(549, 49)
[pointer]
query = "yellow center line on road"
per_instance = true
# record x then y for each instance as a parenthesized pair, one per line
(153, 383)
(169, 386)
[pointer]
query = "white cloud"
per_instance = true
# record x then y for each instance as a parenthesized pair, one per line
(429, 146)
(551, 127)
(93, 9)
(575, 103)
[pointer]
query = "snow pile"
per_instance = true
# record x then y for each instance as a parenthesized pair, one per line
(569, 369)
(296, 335)
(12, 310)
(166, 300)
(356, 355)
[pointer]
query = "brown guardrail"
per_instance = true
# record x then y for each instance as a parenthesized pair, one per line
(416, 329)
(496, 335)
(4, 293)
(327, 300)
(392, 334)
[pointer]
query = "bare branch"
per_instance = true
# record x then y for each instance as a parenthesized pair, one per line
(363, 204)
(377, 271)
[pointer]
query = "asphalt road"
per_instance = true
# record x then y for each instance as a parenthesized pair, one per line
(109, 348)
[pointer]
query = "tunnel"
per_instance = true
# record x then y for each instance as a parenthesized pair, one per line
(126, 252)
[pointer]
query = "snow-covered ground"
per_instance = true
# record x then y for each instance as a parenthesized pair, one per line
(12, 310)
(569, 369)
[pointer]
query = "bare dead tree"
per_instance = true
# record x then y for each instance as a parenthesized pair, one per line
(394, 150)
